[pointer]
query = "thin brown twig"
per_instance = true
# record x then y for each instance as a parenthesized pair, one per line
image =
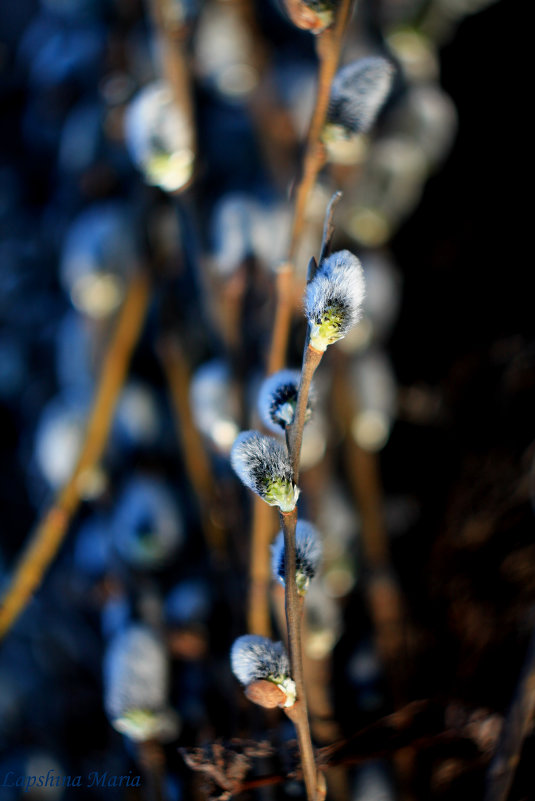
(298, 713)
(384, 594)
(52, 529)
(284, 305)
(174, 66)
(294, 437)
(311, 360)
(151, 757)
(328, 46)
(263, 529)
(196, 462)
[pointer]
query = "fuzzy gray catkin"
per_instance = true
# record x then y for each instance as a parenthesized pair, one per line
(254, 659)
(158, 137)
(277, 399)
(333, 299)
(264, 466)
(358, 93)
(308, 553)
(136, 685)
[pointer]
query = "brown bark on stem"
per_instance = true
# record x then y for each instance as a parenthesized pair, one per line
(174, 66)
(311, 359)
(258, 617)
(283, 319)
(328, 45)
(297, 713)
(152, 760)
(197, 464)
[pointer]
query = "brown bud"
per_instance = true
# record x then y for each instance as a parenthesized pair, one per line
(265, 693)
(305, 17)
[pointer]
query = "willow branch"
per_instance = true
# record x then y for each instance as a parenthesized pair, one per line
(174, 64)
(263, 529)
(52, 529)
(294, 439)
(311, 360)
(196, 462)
(151, 758)
(328, 44)
(298, 713)
(383, 591)
(284, 304)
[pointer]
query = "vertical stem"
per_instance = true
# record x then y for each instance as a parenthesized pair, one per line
(311, 359)
(293, 606)
(152, 760)
(173, 61)
(328, 45)
(258, 618)
(197, 464)
(384, 595)
(298, 713)
(314, 782)
(283, 318)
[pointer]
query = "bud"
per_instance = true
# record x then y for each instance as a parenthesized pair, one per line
(97, 258)
(147, 528)
(264, 466)
(136, 686)
(311, 15)
(255, 659)
(158, 137)
(375, 388)
(334, 298)
(59, 439)
(224, 51)
(213, 404)
(358, 93)
(308, 552)
(137, 417)
(277, 400)
(265, 693)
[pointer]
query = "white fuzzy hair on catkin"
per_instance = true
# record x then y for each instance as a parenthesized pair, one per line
(358, 93)
(256, 458)
(253, 657)
(135, 672)
(308, 551)
(339, 281)
(277, 395)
